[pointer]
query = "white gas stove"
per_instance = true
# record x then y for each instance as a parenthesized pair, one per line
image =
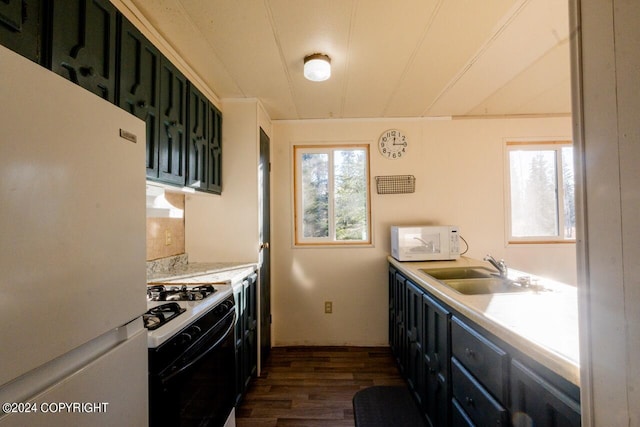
(177, 309)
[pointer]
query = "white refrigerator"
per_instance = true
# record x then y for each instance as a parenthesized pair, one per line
(72, 254)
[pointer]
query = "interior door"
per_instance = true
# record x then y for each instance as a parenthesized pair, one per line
(265, 269)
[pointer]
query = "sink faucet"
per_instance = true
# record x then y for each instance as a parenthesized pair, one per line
(501, 266)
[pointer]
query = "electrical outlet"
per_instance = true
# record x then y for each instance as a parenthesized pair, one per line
(328, 307)
(168, 239)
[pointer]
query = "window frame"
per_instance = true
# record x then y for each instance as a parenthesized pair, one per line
(537, 145)
(298, 239)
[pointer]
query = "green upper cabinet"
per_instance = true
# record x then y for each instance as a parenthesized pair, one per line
(151, 88)
(139, 82)
(21, 27)
(198, 138)
(204, 146)
(214, 160)
(172, 133)
(93, 45)
(83, 44)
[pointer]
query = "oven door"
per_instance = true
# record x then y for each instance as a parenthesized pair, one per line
(198, 389)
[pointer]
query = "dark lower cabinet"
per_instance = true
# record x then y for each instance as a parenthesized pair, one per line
(484, 359)
(436, 361)
(474, 402)
(536, 402)
(393, 323)
(398, 336)
(21, 27)
(83, 44)
(467, 376)
(415, 337)
(245, 335)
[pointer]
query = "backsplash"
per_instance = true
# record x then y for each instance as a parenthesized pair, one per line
(165, 236)
(167, 264)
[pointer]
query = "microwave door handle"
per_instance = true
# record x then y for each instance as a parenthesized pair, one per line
(423, 242)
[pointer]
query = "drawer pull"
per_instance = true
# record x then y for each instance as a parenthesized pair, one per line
(469, 401)
(87, 71)
(470, 353)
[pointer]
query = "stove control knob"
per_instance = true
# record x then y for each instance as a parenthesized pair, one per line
(185, 338)
(194, 331)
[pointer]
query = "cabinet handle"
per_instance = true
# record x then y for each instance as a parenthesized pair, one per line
(142, 104)
(86, 71)
(470, 353)
(469, 401)
(173, 123)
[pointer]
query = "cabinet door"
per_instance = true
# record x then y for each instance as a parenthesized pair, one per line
(535, 401)
(214, 151)
(21, 27)
(238, 294)
(252, 326)
(392, 309)
(197, 139)
(250, 350)
(139, 84)
(172, 138)
(414, 323)
(83, 44)
(401, 342)
(436, 361)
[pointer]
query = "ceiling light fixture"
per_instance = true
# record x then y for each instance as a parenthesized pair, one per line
(317, 67)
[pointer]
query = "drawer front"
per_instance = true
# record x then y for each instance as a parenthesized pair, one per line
(459, 418)
(473, 400)
(486, 361)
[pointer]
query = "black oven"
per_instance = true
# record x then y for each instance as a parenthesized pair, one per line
(192, 375)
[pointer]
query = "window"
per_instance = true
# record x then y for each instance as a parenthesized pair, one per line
(540, 192)
(331, 191)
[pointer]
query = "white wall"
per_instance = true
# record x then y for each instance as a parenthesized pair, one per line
(458, 165)
(225, 228)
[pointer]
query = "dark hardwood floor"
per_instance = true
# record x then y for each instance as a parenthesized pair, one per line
(313, 386)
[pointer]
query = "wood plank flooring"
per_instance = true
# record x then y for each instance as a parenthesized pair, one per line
(313, 386)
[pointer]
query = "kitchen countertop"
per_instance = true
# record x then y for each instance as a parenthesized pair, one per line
(543, 325)
(222, 272)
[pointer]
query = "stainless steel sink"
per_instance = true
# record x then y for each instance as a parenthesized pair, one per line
(486, 285)
(474, 280)
(454, 273)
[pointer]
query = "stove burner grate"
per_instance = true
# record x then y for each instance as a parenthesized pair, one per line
(158, 316)
(179, 293)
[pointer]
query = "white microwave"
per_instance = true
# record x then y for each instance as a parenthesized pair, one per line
(424, 242)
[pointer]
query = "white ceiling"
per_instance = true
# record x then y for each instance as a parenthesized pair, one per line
(390, 58)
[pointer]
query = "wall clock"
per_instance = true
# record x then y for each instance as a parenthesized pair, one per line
(393, 144)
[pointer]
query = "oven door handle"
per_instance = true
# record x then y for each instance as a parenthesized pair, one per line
(203, 354)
